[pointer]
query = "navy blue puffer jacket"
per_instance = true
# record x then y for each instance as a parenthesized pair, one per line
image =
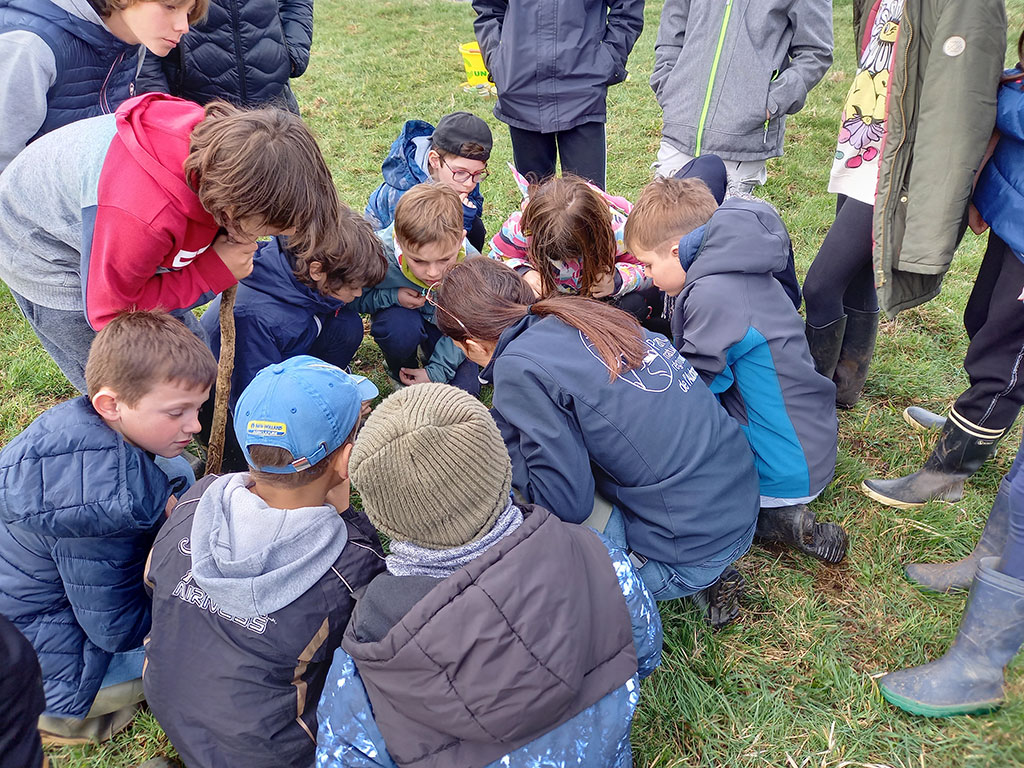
(243, 52)
(79, 509)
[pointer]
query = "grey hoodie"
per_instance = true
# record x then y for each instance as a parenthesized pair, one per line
(253, 559)
(740, 59)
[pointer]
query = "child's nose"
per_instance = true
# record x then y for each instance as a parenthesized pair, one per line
(181, 21)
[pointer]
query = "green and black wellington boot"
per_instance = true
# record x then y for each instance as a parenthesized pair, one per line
(922, 419)
(825, 343)
(855, 356)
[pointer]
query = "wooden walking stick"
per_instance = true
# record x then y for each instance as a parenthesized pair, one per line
(225, 367)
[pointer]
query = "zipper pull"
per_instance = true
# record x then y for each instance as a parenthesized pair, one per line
(765, 139)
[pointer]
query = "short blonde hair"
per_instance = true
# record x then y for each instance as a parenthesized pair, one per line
(667, 209)
(106, 7)
(428, 213)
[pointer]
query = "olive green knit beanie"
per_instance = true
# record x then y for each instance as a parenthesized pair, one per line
(431, 467)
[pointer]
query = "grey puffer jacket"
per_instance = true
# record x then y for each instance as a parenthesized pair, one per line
(740, 60)
(553, 60)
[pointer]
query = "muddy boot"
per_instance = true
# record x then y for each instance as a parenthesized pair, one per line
(796, 526)
(957, 456)
(923, 419)
(969, 678)
(720, 603)
(825, 343)
(951, 577)
(161, 762)
(855, 356)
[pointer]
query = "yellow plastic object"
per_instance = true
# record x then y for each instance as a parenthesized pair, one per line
(476, 72)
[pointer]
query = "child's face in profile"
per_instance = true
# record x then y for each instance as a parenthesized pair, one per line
(428, 262)
(347, 292)
(663, 267)
(156, 24)
(163, 421)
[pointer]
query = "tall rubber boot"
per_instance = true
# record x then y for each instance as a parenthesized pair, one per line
(922, 419)
(952, 577)
(957, 455)
(855, 356)
(796, 526)
(825, 343)
(969, 678)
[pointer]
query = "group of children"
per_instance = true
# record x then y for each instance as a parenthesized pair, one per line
(656, 407)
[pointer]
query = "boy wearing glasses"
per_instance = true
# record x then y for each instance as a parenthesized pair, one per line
(455, 154)
(426, 238)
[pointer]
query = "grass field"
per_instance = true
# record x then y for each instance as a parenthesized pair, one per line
(791, 684)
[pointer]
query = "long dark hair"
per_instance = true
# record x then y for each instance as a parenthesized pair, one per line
(1020, 62)
(480, 298)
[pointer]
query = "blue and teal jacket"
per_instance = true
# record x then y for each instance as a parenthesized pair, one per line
(530, 655)
(446, 356)
(404, 168)
(653, 441)
(999, 195)
(79, 509)
(736, 326)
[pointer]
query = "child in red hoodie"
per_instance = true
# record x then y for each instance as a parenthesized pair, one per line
(156, 206)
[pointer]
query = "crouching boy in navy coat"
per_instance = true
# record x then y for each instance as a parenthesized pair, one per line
(499, 635)
(253, 576)
(81, 499)
(735, 324)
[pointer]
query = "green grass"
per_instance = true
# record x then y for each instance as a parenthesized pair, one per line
(792, 683)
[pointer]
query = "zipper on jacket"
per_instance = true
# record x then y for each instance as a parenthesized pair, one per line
(711, 77)
(905, 23)
(775, 76)
(104, 104)
(243, 91)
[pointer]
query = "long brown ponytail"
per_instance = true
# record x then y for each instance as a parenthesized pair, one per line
(480, 298)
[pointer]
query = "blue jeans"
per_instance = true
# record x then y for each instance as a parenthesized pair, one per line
(124, 666)
(400, 332)
(667, 582)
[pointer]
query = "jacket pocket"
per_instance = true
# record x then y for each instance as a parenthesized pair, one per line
(613, 73)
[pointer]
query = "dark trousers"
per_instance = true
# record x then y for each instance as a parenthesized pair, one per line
(842, 275)
(401, 332)
(21, 700)
(581, 150)
(994, 319)
(1013, 551)
(477, 235)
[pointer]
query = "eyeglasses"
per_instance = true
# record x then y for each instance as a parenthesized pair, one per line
(432, 301)
(461, 174)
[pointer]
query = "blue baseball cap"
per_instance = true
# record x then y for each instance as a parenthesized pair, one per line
(304, 405)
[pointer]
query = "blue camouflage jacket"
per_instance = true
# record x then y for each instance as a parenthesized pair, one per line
(596, 737)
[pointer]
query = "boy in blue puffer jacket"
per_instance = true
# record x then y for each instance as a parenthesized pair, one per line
(499, 635)
(735, 324)
(454, 154)
(288, 307)
(81, 499)
(65, 60)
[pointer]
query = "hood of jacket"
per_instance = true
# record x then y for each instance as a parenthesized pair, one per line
(743, 236)
(154, 128)
(518, 641)
(69, 15)
(403, 168)
(253, 559)
(43, 472)
(273, 274)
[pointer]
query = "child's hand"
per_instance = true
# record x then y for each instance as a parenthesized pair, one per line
(464, 196)
(604, 287)
(171, 504)
(410, 298)
(364, 409)
(974, 220)
(410, 376)
(532, 279)
(237, 257)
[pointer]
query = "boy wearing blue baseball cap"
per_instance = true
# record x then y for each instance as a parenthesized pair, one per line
(254, 573)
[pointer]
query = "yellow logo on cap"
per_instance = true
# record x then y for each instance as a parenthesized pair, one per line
(266, 428)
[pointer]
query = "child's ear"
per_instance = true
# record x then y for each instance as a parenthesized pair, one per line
(105, 403)
(341, 461)
(433, 159)
(675, 251)
(316, 271)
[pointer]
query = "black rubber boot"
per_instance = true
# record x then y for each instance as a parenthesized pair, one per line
(855, 356)
(952, 577)
(969, 678)
(720, 603)
(956, 456)
(825, 343)
(796, 526)
(922, 418)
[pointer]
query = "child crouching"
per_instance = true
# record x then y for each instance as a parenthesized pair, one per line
(253, 576)
(499, 633)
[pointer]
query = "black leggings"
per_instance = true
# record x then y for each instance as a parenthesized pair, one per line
(842, 274)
